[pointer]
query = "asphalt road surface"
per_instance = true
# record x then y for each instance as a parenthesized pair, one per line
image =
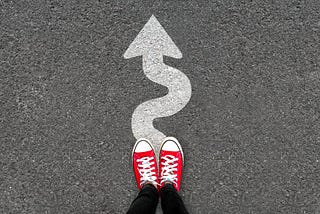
(250, 133)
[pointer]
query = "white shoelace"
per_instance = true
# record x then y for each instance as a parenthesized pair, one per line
(168, 169)
(145, 170)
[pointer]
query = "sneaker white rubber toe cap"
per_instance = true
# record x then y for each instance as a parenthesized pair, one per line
(143, 146)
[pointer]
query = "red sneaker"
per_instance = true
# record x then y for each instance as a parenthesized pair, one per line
(171, 162)
(144, 163)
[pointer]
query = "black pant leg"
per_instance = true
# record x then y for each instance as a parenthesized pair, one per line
(146, 202)
(171, 201)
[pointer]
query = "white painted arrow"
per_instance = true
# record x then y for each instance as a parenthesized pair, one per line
(152, 43)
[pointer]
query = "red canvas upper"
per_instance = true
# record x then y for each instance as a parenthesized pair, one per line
(147, 156)
(177, 165)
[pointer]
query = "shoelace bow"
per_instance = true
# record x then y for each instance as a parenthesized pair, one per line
(168, 168)
(146, 170)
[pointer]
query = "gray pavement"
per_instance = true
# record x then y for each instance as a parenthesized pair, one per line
(250, 133)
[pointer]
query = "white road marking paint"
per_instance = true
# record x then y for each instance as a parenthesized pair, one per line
(152, 43)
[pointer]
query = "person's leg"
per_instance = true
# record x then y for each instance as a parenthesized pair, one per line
(171, 163)
(146, 201)
(146, 174)
(171, 201)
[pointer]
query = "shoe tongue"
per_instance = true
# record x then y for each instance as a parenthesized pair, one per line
(171, 153)
(170, 157)
(144, 154)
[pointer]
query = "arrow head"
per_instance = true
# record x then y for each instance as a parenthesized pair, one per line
(153, 39)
